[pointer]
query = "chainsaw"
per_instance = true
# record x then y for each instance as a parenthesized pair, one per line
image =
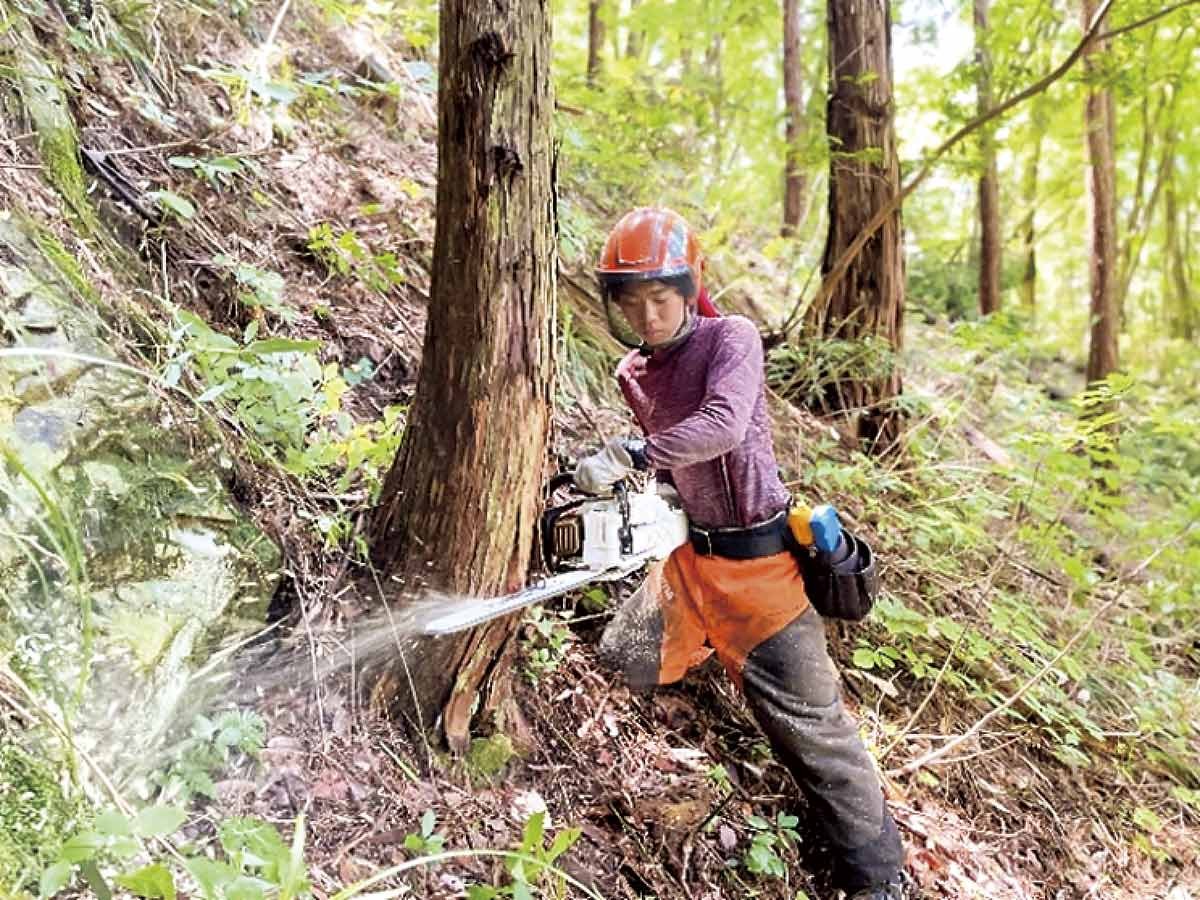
(584, 541)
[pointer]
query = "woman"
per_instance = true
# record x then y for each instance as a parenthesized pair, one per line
(695, 383)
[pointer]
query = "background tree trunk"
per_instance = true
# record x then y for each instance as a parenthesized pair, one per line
(595, 40)
(1029, 194)
(1141, 215)
(793, 98)
(1100, 124)
(989, 186)
(635, 39)
(1177, 301)
(864, 176)
(460, 504)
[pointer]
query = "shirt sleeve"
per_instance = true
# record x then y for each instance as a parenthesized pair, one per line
(733, 382)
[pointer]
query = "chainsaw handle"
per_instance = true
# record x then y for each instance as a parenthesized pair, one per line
(561, 480)
(567, 479)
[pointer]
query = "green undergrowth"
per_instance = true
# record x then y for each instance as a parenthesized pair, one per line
(38, 812)
(142, 853)
(1014, 526)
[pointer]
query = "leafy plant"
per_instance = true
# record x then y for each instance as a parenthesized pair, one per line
(343, 252)
(246, 85)
(547, 641)
(218, 171)
(275, 387)
(427, 840)
(114, 839)
(173, 203)
(363, 452)
(526, 874)
(261, 288)
(209, 748)
(768, 841)
(253, 861)
(719, 776)
(254, 846)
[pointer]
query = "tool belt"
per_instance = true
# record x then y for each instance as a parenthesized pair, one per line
(844, 589)
(755, 541)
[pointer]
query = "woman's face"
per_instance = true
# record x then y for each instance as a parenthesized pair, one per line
(654, 311)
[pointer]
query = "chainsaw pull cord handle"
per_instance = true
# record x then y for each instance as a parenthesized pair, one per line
(625, 533)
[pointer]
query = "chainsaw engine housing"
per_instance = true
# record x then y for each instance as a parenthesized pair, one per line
(598, 534)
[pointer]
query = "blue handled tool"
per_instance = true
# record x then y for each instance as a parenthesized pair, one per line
(816, 526)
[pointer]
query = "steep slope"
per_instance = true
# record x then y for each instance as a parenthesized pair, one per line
(254, 178)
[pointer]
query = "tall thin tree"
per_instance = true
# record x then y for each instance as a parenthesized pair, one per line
(595, 40)
(867, 301)
(460, 504)
(1100, 125)
(1178, 302)
(989, 182)
(793, 100)
(636, 37)
(1029, 194)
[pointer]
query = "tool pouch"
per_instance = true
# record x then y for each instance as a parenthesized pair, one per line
(841, 590)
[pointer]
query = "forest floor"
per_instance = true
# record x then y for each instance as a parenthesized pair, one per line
(670, 789)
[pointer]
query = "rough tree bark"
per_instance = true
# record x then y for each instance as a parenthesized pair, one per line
(459, 506)
(1100, 126)
(989, 182)
(864, 178)
(595, 40)
(793, 98)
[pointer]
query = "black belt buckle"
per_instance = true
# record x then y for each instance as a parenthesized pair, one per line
(707, 541)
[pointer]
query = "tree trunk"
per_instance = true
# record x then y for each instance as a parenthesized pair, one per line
(1177, 301)
(989, 188)
(1138, 227)
(1141, 215)
(793, 98)
(864, 176)
(633, 43)
(460, 504)
(595, 40)
(1029, 192)
(1099, 123)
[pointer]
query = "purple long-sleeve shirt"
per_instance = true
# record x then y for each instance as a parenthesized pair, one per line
(703, 407)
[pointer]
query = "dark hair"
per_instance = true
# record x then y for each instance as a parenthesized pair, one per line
(611, 285)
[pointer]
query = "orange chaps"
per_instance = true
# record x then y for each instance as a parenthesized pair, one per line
(754, 615)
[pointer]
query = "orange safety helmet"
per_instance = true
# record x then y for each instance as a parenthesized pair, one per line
(651, 243)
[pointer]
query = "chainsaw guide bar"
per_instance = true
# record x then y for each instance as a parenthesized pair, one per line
(583, 542)
(473, 614)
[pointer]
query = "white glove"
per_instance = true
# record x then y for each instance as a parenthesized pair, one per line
(597, 473)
